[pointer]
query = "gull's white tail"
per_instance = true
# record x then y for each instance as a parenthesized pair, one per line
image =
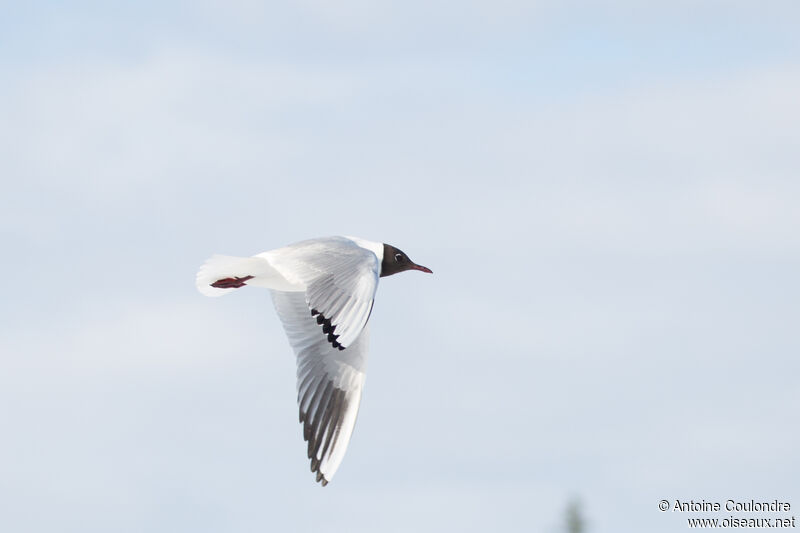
(222, 273)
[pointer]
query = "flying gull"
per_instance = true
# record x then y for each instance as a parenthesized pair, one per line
(323, 290)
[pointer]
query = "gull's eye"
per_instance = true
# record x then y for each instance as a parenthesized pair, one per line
(398, 258)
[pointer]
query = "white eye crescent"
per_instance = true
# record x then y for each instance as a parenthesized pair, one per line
(398, 257)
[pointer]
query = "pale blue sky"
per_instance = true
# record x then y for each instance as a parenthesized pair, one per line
(606, 192)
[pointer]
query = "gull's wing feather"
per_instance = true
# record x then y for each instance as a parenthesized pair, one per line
(340, 279)
(329, 383)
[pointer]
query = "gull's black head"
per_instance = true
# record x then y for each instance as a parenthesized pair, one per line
(395, 261)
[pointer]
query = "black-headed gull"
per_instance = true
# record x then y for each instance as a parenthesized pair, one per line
(323, 290)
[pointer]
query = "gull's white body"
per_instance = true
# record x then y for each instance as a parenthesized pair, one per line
(336, 277)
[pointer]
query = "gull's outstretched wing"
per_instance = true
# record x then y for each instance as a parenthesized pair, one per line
(340, 279)
(329, 383)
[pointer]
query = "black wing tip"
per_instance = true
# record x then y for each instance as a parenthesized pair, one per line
(328, 329)
(335, 405)
(315, 465)
(320, 476)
